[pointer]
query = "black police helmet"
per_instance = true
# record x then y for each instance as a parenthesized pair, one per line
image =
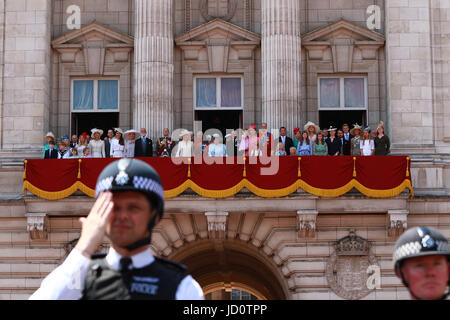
(132, 175)
(419, 242)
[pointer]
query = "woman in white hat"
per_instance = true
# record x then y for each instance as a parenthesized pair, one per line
(117, 144)
(217, 149)
(312, 130)
(48, 137)
(96, 145)
(130, 138)
(185, 148)
(356, 140)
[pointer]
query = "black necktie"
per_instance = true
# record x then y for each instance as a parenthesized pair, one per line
(125, 264)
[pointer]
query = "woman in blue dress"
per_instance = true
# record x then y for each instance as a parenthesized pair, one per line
(304, 147)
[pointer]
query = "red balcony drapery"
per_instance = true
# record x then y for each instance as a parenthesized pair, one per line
(325, 176)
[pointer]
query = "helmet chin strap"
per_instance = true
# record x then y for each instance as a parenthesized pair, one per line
(416, 297)
(144, 241)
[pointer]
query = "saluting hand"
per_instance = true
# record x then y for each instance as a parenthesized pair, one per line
(94, 226)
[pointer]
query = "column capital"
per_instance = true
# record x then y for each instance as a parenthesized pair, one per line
(217, 224)
(398, 222)
(306, 220)
(37, 224)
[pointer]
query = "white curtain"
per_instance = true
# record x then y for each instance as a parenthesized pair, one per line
(206, 92)
(231, 92)
(354, 92)
(329, 93)
(108, 94)
(83, 94)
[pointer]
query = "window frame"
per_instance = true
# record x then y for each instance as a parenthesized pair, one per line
(342, 106)
(218, 92)
(95, 101)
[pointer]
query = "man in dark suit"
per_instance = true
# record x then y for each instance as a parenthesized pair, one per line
(108, 141)
(144, 145)
(287, 142)
(347, 139)
(51, 153)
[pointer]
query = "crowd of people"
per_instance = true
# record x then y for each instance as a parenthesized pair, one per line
(310, 141)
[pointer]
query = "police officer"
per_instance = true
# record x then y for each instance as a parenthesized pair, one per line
(130, 202)
(422, 262)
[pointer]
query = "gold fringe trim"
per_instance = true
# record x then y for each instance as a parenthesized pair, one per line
(50, 195)
(264, 193)
(85, 189)
(24, 176)
(354, 166)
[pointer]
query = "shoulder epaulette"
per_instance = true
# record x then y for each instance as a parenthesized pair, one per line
(174, 265)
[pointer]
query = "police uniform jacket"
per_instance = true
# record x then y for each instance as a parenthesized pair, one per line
(79, 277)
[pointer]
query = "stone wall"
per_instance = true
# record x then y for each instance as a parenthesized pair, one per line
(319, 13)
(298, 260)
(410, 93)
(27, 68)
(116, 14)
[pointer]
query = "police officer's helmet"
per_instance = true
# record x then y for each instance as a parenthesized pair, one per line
(132, 175)
(419, 242)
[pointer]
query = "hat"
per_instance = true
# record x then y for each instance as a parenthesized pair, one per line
(356, 127)
(309, 124)
(228, 135)
(332, 128)
(216, 135)
(133, 175)
(367, 128)
(118, 129)
(380, 125)
(125, 135)
(185, 132)
(50, 134)
(93, 131)
(419, 242)
(66, 137)
(252, 126)
(296, 130)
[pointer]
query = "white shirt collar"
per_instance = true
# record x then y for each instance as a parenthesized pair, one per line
(139, 260)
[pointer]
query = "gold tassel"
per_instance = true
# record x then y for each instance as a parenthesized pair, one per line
(245, 171)
(407, 165)
(24, 176)
(189, 168)
(299, 172)
(354, 166)
(79, 171)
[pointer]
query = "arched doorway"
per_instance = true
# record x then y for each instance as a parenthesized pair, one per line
(224, 266)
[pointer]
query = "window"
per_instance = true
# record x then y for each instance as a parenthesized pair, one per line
(218, 92)
(96, 95)
(343, 93)
(241, 295)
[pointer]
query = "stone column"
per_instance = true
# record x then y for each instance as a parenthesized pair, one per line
(26, 75)
(154, 68)
(281, 64)
(409, 76)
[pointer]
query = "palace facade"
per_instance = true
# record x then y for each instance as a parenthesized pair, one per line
(227, 63)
